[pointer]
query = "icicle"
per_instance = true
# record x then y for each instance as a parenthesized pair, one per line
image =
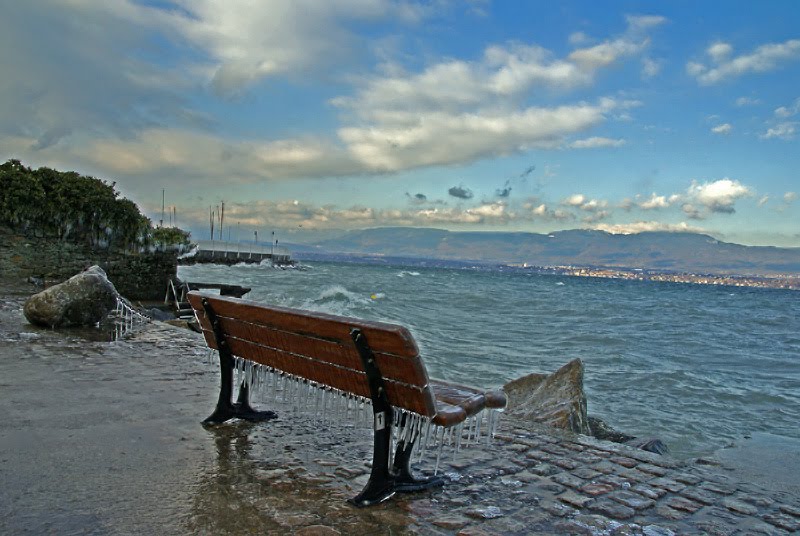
(439, 452)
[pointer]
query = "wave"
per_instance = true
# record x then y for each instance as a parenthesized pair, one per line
(405, 273)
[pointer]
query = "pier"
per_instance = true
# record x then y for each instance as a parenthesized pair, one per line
(221, 252)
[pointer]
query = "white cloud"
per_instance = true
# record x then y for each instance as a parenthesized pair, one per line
(639, 23)
(718, 196)
(763, 200)
(763, 59)
(595, 142)
(650, 68)
(647, 226)
(654, 202)
(747, 101)
(724, 128)
(582, 202)
(789, 197)
(785, 112)
(783, 131)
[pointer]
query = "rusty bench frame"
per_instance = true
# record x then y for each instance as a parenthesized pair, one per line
(322, 349)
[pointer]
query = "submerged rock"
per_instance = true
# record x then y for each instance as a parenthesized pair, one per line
(82, 300)
(556, 400)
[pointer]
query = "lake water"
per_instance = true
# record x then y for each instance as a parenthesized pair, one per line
(701, 367)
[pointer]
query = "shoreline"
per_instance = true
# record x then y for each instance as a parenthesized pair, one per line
(105, 438)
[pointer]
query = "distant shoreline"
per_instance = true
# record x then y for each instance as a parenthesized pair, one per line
(778, 281)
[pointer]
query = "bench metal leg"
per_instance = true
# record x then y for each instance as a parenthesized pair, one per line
(225, 409)
(380, 485)
(404, 481)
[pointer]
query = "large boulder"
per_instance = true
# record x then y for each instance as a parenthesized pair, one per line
(555, 400)
(82, 300)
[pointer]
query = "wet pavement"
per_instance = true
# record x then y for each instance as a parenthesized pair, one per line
(105, 438)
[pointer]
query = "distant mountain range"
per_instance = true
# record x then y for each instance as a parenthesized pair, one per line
(679, 252)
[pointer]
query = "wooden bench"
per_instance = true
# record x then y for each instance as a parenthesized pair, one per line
(373, 361)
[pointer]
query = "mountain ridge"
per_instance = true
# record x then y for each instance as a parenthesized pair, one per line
(653, 250)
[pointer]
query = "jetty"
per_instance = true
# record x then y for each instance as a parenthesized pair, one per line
(221, 252)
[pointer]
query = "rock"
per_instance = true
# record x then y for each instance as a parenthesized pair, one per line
(557, 400)
(83, 300)
(601, 430)
(650, 444)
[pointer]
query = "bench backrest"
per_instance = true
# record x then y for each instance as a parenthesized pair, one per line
(319, 347)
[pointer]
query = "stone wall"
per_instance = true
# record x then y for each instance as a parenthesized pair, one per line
(136, 276)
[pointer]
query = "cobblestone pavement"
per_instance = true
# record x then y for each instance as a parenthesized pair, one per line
(294, 474)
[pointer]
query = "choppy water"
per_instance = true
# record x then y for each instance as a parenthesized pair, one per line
(701, 367)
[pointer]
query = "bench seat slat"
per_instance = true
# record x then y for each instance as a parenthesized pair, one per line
(400, 368)
(400, 395)
(390, 338)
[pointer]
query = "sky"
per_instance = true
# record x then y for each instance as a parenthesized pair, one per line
(307, 116)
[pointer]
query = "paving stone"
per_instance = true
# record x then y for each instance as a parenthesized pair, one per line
(612, 509)
(474, 531)
(590, 458)
(652, 469)
(634, 476)
(568, 480)
(586, 473)
(649, 491)
(604, 466)
(544, 469)
(759, 500)
(670, 513)
(655, 530)
(557, 509)
(616, 481)
(450, 522)
(739, 506)
(686, 478)
(566, 463)
(668, 484)
(633, 500)
(783, 521)
(699, 495)
(589, 525)
(577, 447)
(598, 488)
(518, 447)
(624, 461)
(684, 504)
(716, 528)
(487, 512)
(721, 489)
(789, 509)
(556, 450)
(536, 454)
(574, 499)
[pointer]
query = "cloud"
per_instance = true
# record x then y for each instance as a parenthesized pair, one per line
(782, 131)
(505, 191)
(582, 202)
(647, 226)
(747, 101)
(417, 199)
(656, 202)
(244, 42)
(789, 197)
(595, 142)
(763, 201)
(530, 169)
(650, 68)
(460, 192)
(763, 59)
(718, 196)
(785, 112)
(537, 210)
(458, 111)
(723, 129)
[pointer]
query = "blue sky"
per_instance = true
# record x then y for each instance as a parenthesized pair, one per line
(306, 116)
